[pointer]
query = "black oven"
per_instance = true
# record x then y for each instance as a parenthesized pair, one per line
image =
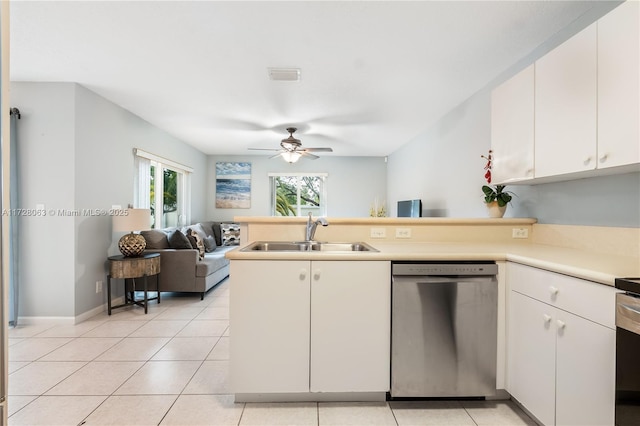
(628, 352)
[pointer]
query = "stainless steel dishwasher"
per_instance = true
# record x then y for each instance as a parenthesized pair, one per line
(444, 329)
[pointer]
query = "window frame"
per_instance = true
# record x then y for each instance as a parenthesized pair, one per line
(323, 208)
(142, 186)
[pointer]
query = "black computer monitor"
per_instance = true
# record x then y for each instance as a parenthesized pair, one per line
(410, 208)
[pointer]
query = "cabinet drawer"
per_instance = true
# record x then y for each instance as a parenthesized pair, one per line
(593, 301)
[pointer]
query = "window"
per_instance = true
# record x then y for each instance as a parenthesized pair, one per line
(164, 187)
(298, 194)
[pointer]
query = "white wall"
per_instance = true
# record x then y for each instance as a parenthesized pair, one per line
(46, 176)
(442, 166)
(77, 153)
(352, 185)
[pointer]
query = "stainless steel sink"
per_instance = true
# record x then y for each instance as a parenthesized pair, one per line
(308, 246)
(342, 247)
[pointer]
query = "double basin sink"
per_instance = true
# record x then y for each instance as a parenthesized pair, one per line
(278, 246)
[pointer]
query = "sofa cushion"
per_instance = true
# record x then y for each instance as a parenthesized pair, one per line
(212, 262)
(156, 239)
(179, 241)
(230, 234)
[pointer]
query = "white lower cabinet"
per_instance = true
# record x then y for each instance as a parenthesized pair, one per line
(269, 320)
(560, 366)
(310, 326)
(350, 326)
(531, 356)
(585, 371)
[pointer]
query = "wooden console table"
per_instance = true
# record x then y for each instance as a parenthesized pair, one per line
(129, 269)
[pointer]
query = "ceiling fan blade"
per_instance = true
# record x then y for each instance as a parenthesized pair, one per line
(263, 149)
(306, 154)
(274, 156)
(318, 149)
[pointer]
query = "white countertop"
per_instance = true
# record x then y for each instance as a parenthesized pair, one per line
(597, 267)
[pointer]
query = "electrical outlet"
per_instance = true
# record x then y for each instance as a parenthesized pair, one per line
(98, 286)
(378, 233)
(519, 233)
(403, 232)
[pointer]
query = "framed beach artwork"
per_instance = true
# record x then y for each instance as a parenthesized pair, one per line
(233, 185)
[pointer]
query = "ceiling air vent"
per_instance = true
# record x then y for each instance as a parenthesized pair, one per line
(284, 74)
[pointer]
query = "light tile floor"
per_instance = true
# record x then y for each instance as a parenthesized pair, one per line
(170, 367)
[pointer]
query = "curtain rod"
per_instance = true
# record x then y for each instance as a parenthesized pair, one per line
(15, 111)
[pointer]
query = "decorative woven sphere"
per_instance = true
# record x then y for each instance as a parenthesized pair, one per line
(131, 245)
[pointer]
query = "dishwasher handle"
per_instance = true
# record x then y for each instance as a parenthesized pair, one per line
(434, 279)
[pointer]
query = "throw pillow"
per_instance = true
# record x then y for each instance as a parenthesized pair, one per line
(196, 242)
(230, 234)
(198, 229)
(156, 239)
(179, 241)
(217, 233)
(209, 244)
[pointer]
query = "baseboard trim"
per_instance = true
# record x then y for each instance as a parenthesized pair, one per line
(312, 397)
(46, 321)
(68, 320)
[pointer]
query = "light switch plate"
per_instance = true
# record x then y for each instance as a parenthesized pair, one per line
(519, 233)
(378, 233)
(403, 232)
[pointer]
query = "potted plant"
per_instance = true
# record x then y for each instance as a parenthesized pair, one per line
(495, 197)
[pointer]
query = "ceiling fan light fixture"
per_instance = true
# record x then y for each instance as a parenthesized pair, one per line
(284, 74)
(291, 156)
(290, 144)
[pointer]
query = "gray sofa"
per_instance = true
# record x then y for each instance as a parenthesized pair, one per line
(182, 269)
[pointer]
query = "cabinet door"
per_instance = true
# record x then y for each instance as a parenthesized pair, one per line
(565, 107)
(619, 86)
(512, 128)
(531, 356)
(269, 316)
(585, 372)
(350, 326)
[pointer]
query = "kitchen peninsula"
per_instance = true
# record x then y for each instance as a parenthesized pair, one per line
(598, 254)
(337, 304)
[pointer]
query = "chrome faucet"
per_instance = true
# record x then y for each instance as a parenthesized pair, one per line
(311, 226)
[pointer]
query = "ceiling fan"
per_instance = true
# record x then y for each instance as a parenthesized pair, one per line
(292, 149)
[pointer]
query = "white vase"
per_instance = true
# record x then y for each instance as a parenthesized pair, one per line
(495, 210)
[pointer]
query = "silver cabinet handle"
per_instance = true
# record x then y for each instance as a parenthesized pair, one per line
(303, 274)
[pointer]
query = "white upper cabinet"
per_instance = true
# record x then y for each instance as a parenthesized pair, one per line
(565, 107)
(619, 86)
(512, 106)
(579, 114)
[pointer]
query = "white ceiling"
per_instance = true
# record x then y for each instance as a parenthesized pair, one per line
(374, 74)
